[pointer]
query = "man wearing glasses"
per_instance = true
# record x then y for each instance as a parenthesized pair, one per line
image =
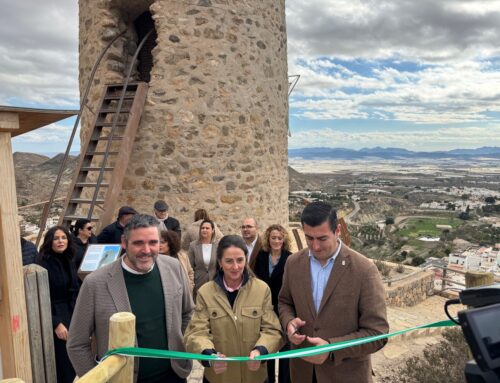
(250, 233)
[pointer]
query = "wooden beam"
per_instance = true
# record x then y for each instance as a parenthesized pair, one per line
(14, 342)
(35, 331)
(36, 286)
(30, 119)
(122, 334)
(105, 370)
(42, 277)
(9, 122)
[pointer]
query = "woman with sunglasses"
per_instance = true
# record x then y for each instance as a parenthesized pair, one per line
(83, 236)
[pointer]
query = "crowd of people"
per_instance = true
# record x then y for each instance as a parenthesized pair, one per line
(210, 294)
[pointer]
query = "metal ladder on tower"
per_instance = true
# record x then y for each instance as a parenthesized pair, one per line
(121, 99)
(98, 178)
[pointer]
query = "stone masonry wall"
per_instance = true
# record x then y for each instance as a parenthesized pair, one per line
(412, 291)
(213, 133)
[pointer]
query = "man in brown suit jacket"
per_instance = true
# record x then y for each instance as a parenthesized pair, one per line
(154, 288)
(250, 233)
(330, 294)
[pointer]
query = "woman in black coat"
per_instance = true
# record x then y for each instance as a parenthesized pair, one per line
(56, 255)
(270, 266)
(83, 236)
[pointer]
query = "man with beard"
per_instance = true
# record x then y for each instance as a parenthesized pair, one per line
(152, 288)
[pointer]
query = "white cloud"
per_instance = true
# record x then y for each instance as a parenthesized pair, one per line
(39, 53)
(449, 42)
(451, 93)
(426, 29)
(53, 133)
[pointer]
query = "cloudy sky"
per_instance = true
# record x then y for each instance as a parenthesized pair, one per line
(422, 75)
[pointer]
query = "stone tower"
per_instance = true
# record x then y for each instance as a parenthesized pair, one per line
(213, 133)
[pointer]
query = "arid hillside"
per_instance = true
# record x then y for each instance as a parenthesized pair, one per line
(36, 175)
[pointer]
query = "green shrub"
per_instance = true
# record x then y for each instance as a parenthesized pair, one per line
(442, 362)
(383, 268)
(417, 261)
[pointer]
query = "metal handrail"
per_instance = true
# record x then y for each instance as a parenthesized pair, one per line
(46, 210)
(291, 86)
(115, 121)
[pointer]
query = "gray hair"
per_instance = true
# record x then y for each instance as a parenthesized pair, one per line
(254, 221)
(140, 221)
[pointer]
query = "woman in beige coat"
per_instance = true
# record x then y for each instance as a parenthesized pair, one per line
(234, 316)
(170, 245)
(202, 256)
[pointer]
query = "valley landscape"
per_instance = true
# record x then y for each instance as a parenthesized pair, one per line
(406, 208)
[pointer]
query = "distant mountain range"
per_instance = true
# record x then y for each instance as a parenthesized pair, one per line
(391, 153)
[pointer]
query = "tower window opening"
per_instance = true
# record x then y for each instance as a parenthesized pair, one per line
(143, 24)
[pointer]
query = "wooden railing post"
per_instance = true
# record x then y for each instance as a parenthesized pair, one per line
(443, 279)
(41, 338)
(116, 368)
(478, 278)
(122, 334)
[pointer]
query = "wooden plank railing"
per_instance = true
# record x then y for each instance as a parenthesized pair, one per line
(41, 334)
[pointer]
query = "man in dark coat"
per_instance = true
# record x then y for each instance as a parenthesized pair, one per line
(166, 222)
(113, 232)
(28, 249)
(250, 233)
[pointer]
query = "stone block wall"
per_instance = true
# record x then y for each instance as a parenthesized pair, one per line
(412, 291)
(213, 133)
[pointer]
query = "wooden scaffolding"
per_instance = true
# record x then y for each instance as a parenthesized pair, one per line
(14, 337)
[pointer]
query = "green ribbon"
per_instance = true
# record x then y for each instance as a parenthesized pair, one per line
(297, 353)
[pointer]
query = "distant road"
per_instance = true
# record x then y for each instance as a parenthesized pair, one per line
(354, 212)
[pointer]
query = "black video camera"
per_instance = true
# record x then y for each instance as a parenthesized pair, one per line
(481, 327)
